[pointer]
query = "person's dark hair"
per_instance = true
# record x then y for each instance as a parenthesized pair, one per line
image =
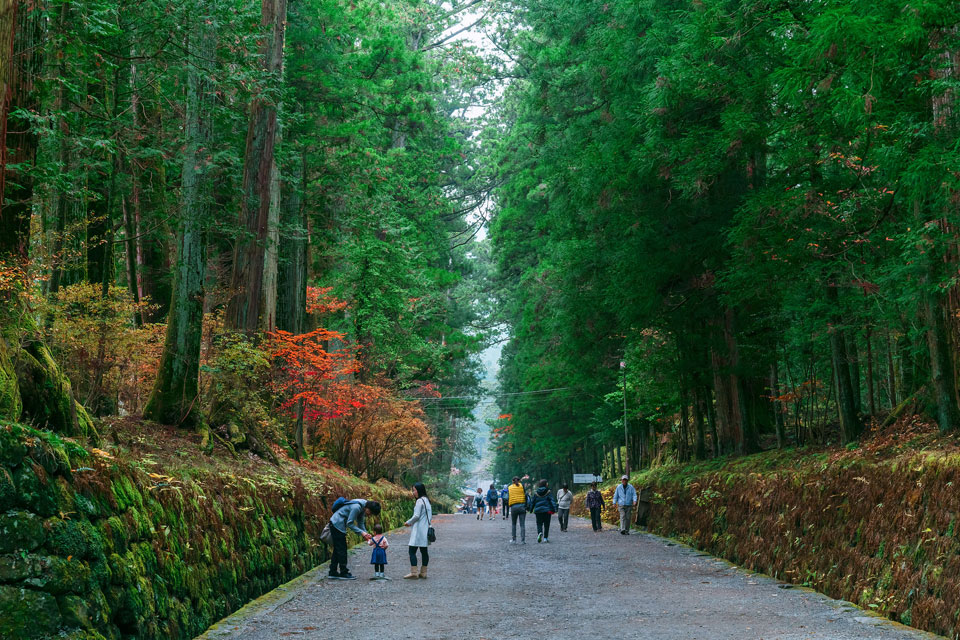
(543, 482)
(378, 528)
(374, 507)
(566, 487)
(516, 479)
(593, 485)
(421, 490)
(492, 487)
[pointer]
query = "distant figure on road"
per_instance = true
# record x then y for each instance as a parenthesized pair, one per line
(517, 498)
(625, 497)
(420, 521)
(595, 504)
(378, 558)
(492, 498)
(543, 508)
(504, 497)
(564, 500)
(479, 501)
(353, 515)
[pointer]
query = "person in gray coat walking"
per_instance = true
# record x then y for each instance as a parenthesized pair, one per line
(420, 521)
(564, 501)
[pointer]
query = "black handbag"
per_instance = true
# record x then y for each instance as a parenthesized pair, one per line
(431, 532)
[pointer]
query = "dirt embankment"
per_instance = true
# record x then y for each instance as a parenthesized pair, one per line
(876, 525)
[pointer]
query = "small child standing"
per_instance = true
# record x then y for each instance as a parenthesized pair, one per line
(379, 557)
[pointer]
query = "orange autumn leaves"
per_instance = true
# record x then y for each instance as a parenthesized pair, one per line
(360, 424)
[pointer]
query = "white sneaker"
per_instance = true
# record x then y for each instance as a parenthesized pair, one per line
(547, 540)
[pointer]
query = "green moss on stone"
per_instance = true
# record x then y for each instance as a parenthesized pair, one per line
(125, 493)
(50, 455)
(17, 567)
(8, 490)
(88, 612)
(26, 614)
(82, 635)
(10, 405)
(76, 538)
(33, 491)
(85, 506)
(20, 530)
(115, 536)
(60, 575)
(12, 449)
(140, 525)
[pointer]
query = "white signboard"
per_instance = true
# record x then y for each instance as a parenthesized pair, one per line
(586, 478)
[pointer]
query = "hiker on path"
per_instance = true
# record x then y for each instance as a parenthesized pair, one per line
(595, 504)
(492, 498)
(504, 497)
(420, 521)
(517, 498)
(625, 497)
(378, 558)
(352, 514)
(543, 507)
(564, 501)
(480, 504)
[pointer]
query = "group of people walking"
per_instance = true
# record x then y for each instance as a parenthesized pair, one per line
(541, 504)
(490, 503)
(514, 499)
(352, 515)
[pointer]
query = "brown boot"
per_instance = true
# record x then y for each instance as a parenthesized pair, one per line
(412, 574)
(423, 571)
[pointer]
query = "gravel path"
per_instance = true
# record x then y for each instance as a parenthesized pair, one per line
(582, 585)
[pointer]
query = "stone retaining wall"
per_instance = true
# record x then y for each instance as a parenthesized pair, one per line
(92, 548)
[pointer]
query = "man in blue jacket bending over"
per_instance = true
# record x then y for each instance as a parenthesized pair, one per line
(352, 514)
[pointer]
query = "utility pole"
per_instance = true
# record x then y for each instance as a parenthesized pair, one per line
(626, 436)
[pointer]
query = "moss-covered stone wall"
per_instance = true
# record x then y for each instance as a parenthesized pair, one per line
(94, 548)
(883, 533)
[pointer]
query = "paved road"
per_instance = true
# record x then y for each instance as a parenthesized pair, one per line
(582, 585)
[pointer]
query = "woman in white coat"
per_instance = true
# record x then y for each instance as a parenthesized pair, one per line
(422, 515)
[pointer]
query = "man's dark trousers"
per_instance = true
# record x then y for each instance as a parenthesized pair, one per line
(338, 563)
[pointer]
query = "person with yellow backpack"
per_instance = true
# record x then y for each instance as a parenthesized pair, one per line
(517, 502)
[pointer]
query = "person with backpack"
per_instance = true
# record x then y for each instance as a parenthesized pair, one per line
(479, 503)
(517, 498)
(504, 496)
(564, 501)
(420, 534)
(351, 514)
(543, 507)
(493, 497)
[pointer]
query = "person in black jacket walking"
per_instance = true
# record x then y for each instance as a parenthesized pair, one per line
(543, 506)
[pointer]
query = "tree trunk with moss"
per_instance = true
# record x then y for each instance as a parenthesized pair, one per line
(32, 386)
(174, 399)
